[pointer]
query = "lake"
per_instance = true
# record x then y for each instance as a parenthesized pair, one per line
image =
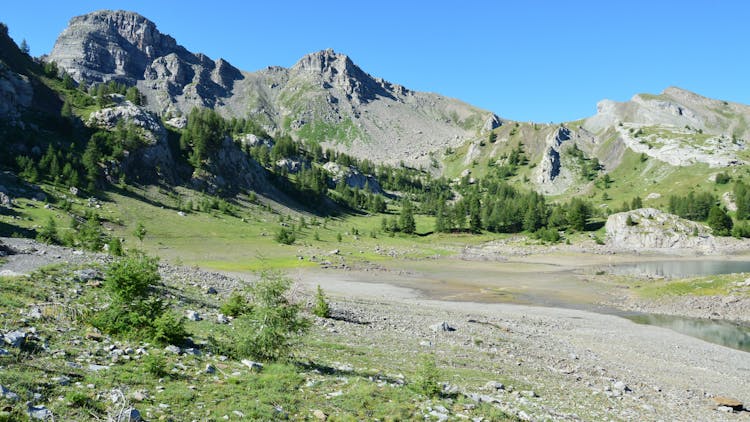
(678, 268)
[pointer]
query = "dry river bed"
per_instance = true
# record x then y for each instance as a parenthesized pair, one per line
(579, 360)
(582, 365)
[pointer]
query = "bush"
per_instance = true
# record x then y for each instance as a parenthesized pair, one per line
(269, 330)
(48, 232)
(168, 328)
(285, 236)
(129, 279)
(155, 365)
(135, 310)
(548, 235)
(235, 306)
(115, 247)
(741, 230)
(722, 178)
(321, 308)
(426, 378)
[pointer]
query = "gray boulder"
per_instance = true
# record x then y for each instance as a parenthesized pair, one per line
(15, 338)
(651, 229)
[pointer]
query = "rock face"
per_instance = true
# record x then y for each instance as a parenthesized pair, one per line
(550, 167)
(151, 162)
(352, 177)
(650, 229)
(324, 97)
(126, 47)
(16, 94)
(677, 127)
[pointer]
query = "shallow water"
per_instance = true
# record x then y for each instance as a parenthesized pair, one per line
(678, 269)
(718, 332)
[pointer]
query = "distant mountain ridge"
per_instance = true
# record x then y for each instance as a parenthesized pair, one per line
(324, 98)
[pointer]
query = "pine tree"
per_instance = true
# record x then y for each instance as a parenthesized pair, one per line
(406, 221)
(25, 49)
(719, 221)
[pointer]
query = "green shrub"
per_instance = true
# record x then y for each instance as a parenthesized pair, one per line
(741, 230)
(269, 331)
(235, 306)
(136, 311)
(168, 328)
(321, 308)
(426, 378)
(129, 279)
(285, 236)
(48, 232)
(115, 247)
(155, 365)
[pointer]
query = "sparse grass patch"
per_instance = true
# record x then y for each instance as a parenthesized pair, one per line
(700, 286)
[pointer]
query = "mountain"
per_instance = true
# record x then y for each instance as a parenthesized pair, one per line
(324, 98)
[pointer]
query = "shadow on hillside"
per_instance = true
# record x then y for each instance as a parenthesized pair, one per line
(593, 226)
(9, 230)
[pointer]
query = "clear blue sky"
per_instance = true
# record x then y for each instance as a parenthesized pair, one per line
(524, 60)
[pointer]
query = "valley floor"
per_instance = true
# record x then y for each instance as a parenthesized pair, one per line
(555, 363)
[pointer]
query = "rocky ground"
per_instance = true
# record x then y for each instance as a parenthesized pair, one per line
(544, 363)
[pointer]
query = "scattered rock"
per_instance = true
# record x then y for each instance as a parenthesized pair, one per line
(443, 326)
(129, 415)
(441, 417)
(210, 369)
(62, 380)
(172, 349)
(734, 404)
(86, 275)
(7, 394)
(35, 313)
(39, 412)
(96, 368)
(193, 315)
(319, 415)
(494, 385)
(252, 365)
(222, 319)
(192, 351)
(620, 386)
(211, 291)
(15, 338)
(4, 352)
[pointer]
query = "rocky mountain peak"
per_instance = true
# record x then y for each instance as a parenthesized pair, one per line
(108, 44)
(325, 61)
(339, 71)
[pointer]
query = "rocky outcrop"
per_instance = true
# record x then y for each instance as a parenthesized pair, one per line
(677, 126)
(552, 177)
(16, 94)
(126, 47)
(153, 161)
(352, 177)
(229, 170)
(649, 229)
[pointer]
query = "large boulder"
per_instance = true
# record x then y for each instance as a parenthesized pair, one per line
(352, 177)
(650, 229)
